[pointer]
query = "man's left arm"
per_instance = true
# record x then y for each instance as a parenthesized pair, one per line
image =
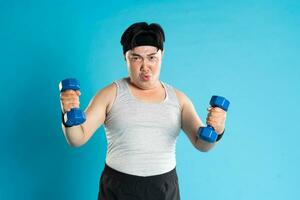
(191, 122)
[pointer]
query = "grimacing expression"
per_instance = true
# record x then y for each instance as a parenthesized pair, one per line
(144, 64)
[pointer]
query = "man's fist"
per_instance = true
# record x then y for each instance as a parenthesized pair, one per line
(216, 118)
(69, 99)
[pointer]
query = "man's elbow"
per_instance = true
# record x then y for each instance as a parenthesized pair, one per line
(203, 149)
(203, 146)
(75, 144)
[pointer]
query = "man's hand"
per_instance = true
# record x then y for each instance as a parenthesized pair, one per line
(216, 118)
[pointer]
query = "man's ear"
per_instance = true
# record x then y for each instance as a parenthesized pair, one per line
(125, 56)
(162, 53)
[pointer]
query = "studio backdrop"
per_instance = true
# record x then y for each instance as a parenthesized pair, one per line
(247, 51)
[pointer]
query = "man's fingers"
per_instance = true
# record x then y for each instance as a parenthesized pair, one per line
(215, 109)
(78, 92)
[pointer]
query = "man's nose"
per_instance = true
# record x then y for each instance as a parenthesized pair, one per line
(145, 65)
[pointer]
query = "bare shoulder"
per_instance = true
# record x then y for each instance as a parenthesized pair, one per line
(107, 91)
(106, 96)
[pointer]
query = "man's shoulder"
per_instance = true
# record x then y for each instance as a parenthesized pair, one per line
(182, 98)
(108, 92)
(180, 95)
(108, 89)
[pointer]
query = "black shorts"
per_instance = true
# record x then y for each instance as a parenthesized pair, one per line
(115, 185)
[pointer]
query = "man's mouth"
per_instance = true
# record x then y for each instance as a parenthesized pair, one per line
(145, 77)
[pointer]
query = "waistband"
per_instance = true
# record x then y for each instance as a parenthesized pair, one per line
(171, 175)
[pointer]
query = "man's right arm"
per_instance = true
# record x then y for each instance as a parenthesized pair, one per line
(95, 113)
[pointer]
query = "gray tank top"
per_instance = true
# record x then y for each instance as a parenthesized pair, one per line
(142, 136)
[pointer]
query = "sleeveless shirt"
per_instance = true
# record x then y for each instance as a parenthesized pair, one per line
(141, 136)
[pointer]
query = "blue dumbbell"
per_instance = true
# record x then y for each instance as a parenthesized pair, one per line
(208, 133)
(75, 116)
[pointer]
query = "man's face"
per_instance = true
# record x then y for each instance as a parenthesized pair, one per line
(144, 64)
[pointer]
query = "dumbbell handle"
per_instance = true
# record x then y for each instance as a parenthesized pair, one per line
(75, 116)
(208, 133)
(219, 102)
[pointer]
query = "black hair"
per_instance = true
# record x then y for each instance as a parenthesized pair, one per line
(142, 33)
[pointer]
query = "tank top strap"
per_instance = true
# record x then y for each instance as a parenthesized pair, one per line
(171, 94)
(121, 85)
(122, 90)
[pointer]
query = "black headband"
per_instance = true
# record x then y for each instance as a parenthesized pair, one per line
(143, 39)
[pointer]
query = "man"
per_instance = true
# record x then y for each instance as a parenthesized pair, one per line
(142, 117)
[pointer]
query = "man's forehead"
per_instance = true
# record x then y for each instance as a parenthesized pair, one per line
(144, 50)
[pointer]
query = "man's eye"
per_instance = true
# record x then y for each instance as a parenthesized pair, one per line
(152, 57)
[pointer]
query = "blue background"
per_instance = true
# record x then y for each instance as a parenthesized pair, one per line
(247, 51)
